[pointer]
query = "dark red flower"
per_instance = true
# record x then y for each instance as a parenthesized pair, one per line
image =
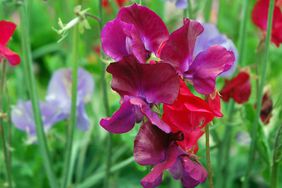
(266, 109)
(140, 86)
(259, 17)
(6, 31)
(239, 88)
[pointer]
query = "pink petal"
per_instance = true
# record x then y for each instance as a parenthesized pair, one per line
(150, 145)
(150, 26)
(13, 58)
(178, 50)
(207, 66)
(7, 29)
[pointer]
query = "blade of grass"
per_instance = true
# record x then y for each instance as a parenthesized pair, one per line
(73, 117)
(2, 133)
(27, 60)
(260, 93)
(106, 106)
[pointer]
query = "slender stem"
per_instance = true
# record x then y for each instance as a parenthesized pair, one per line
(260, 92)
(243, 32)
(91, 181)
(106, 106)
(225, 147)
(208, 157)
(274, 174)
(73, 117)
(5, 146)
(34, 97)
(207, 10)
(188, 12)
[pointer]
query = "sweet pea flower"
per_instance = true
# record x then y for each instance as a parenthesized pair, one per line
(202, 69)
(140, 86)
(266, 108)
(175, 151)
(181, 4)
(22, 116)
(211, 36)
(238, 88)
(57, 105)
(259, 18)
(135, 31)
(59, 93)
(7, 29)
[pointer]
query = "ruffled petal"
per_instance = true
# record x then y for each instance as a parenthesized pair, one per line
(7, 29)
(178, 49)
(114, 39)
(150, 145)
(214, 104)
(182, 4)
(239, 88)
(13, 58)
(207, 66)
(211, 36)
(150, 26)
(144, 80)
(154, 178)
(152, 116)
(122, 120)
(193, 173)
(22, 116)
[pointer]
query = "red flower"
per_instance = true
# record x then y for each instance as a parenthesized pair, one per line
(120, 3)
(239, 88)
(259, 17)
(6, 31)
(266, 109)
(190, 114)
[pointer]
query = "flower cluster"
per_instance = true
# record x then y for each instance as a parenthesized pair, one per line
(259, 17)
(7, 29)
(150, 72)
(57, 104)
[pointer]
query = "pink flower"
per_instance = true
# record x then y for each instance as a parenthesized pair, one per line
(6, 31)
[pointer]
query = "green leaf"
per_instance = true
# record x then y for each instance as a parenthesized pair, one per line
(278, 146)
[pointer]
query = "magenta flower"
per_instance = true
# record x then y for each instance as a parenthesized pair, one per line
(140, 86)
(202, 69)
(211, 36)
(154, 147)
(136, 31)
(7, 29)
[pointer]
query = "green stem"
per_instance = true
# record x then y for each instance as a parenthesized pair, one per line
(5, 146)
(225, 147)
(207, 10)
(73, 117)
(260, 93)
(188, 12)
(243, 32)
(106, 106)
(274, 174)
(27, 57)
(91, 181)
(208, 157)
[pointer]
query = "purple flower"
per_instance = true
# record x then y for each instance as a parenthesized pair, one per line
(181, 4)
(140, 86)
(154, 147)
(58, 103)
(211, 36)
(136, 31)
(59, 93)
(202, 69)
(22, 116)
